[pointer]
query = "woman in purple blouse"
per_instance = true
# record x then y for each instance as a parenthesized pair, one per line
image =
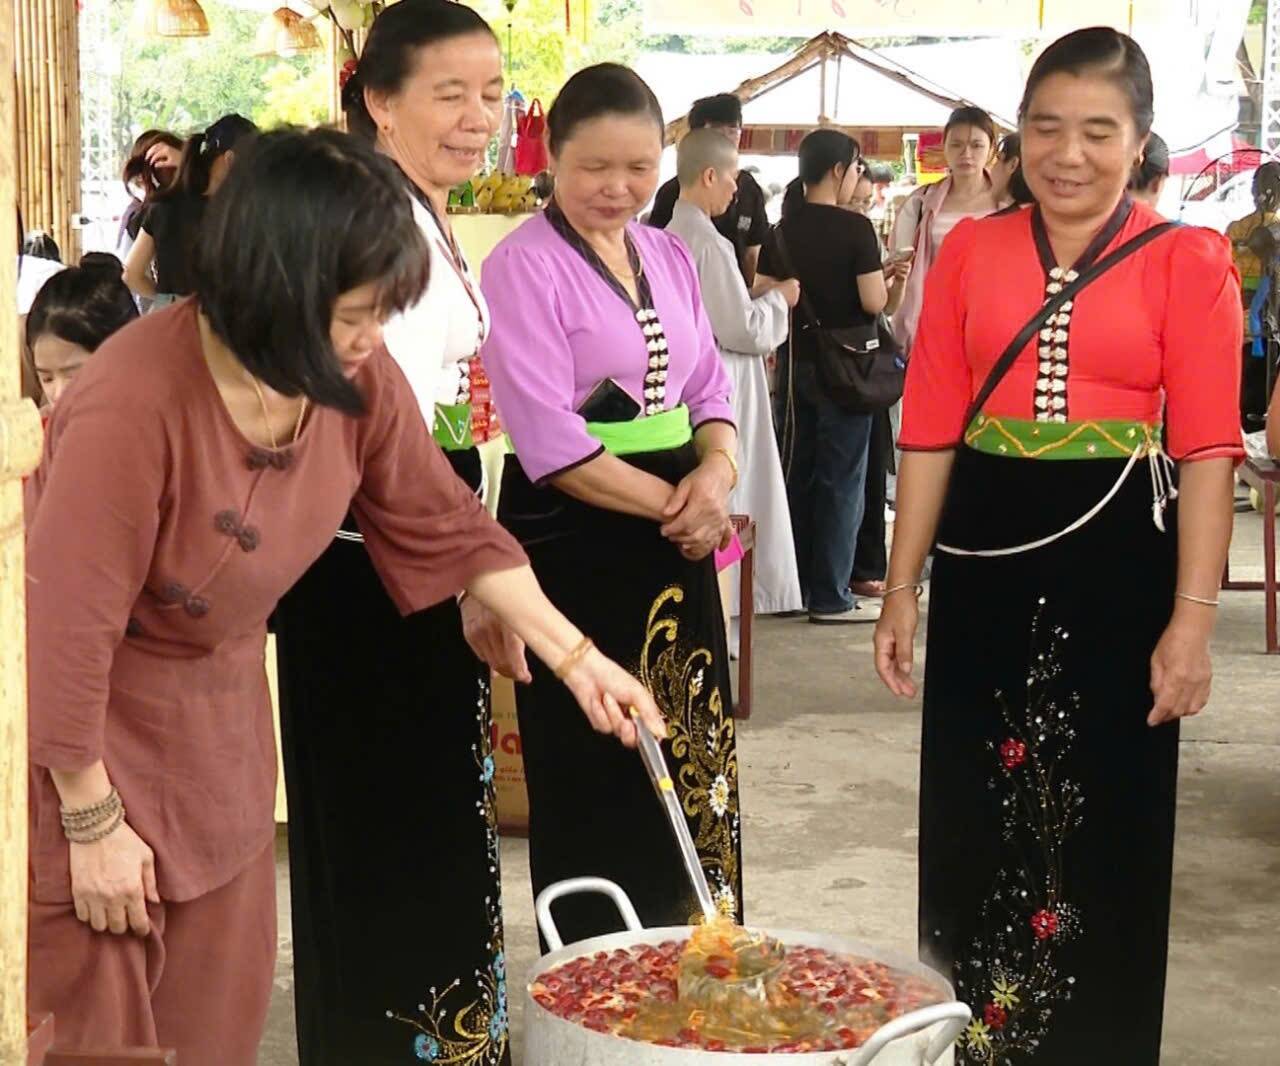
(606, 372)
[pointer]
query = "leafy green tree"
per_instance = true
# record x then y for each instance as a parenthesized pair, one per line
(184, 85)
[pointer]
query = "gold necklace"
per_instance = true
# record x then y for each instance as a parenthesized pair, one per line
(266, 417)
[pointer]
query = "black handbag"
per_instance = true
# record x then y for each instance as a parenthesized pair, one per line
(860, 367)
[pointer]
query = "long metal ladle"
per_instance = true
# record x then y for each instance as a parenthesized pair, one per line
(651, 752)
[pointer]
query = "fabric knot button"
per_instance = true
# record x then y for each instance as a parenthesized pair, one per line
(261, 458)
(174, 592)
(249, 538)
(197, 606)
(227, 522)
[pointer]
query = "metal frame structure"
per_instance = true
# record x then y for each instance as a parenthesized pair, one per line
(1271, 80)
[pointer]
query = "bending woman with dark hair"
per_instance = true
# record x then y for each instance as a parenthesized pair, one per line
(416, 765)
(152, 165)
(933, 211)
(618, 405)
(71, 316)
(1049, 762)
(835, 254)
(160, 266)
(212, 448)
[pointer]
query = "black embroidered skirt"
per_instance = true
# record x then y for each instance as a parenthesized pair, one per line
(393, 844)
(592, 809)
(1047, 802)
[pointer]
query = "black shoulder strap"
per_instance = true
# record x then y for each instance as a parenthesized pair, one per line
(784, 256)
(1069, 292)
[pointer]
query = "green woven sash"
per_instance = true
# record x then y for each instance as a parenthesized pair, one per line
(1024, 438)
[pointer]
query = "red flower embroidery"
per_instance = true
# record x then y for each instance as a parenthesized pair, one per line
(995, 1016)
(1013, 753)
(1044, 924)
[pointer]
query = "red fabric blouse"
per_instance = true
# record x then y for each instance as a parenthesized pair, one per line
(1160, 332)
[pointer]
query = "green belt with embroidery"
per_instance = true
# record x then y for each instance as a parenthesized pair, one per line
(1024, 438)
(657, 433)
(452, 428)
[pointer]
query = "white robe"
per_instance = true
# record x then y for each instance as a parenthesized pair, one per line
(746, 331)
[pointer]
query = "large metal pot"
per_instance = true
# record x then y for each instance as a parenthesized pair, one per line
(922, 1037)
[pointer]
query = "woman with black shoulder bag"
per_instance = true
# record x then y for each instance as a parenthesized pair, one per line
(834, 377)
(1100, 443)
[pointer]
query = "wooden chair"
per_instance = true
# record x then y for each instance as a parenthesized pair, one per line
(1263, 475)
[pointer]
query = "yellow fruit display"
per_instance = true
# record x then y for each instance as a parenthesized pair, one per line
(505, 193)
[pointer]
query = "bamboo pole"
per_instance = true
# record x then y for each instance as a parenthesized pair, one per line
(47, 117)
(19, 450)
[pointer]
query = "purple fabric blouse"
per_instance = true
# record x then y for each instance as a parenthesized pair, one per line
(559, 330)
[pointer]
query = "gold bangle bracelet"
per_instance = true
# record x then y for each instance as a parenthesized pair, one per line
(573, 658)
(913, 585)
(733, 463)
(1198, 599)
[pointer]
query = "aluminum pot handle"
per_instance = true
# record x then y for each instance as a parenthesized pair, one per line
(956, 1014)
(576, 886)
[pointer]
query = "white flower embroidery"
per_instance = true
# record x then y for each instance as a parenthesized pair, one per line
(726, 901)
(719, 796)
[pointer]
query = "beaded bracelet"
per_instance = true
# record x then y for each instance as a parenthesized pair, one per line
(92, 836)
(93, 814)
(87, 825)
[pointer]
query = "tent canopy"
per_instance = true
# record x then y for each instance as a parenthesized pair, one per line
(832, 80)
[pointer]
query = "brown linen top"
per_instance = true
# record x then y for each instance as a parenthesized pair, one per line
(159, 540)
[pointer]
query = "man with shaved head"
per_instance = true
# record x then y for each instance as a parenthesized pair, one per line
(746, 330)
(743, 222)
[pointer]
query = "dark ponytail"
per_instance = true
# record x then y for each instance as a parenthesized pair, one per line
(793, 198)
(387, 62)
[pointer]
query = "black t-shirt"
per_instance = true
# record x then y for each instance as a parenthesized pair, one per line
(829, 249)
(745, 224)
(174, 224)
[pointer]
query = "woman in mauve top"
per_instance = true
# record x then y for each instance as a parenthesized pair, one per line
(1075, 576)
(198, 465)
(606, 372)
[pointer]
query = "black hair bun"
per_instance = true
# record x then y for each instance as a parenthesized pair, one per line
(102, 263)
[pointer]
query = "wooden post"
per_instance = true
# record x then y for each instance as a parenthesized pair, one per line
(19, 452)
(47, 40)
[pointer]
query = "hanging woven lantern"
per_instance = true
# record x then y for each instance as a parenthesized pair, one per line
(285, 33)
(180, 18)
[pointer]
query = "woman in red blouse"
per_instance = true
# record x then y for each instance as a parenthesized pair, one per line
(197, 466)
(1073, 599)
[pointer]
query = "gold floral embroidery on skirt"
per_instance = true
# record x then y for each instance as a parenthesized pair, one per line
(474, 1034)
(685, 685)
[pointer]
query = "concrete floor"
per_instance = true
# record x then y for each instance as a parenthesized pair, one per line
(829, 778)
